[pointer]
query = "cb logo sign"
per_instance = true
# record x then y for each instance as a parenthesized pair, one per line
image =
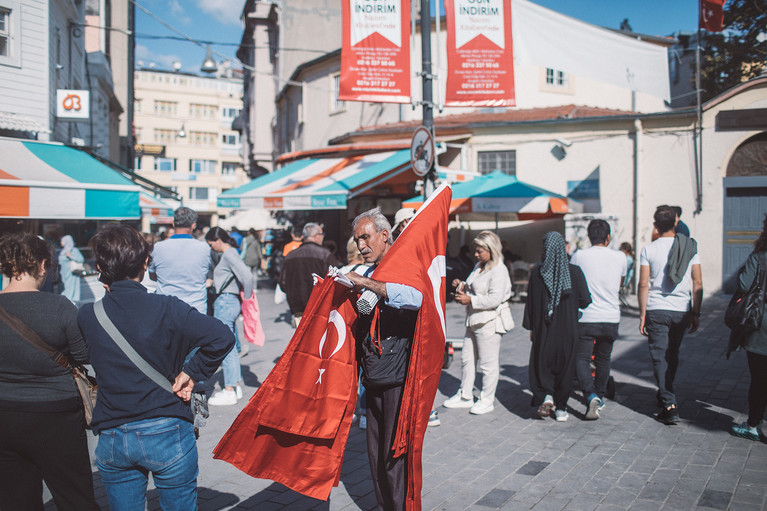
(72, 104)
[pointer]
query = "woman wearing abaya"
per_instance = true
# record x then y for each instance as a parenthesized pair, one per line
(556, 291)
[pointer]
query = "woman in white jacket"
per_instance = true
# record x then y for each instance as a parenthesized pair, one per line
(486, 293)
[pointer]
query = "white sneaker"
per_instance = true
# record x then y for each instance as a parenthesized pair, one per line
(223, 398)
(363, 422)
(561, 415)
(480, 408)
(238, 392)
(458, 401)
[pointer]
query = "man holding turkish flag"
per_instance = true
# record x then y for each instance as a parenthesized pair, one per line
(295, 427)
(405, 288)
(711, 15)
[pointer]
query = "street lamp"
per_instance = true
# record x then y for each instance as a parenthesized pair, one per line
(209, 65)
(181, 133)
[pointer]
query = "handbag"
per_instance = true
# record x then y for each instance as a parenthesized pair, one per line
(504, 313)
(251, 320)
(745, 310)
(86, 384)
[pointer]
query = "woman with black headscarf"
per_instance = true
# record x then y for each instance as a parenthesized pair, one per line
(556, 291)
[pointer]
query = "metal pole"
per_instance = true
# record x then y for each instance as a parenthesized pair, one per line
(131, 164)
(699, 127)
(426, 78)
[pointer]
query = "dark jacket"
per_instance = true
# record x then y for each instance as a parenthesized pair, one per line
(756, 342)
(296, 275)
(162, 330)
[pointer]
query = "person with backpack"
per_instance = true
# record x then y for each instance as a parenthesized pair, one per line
(251, 253)
(755, 344)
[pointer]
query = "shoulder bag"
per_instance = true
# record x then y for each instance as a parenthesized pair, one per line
(745, 310)
(86, 384)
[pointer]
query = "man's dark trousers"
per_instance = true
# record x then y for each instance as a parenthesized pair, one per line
(604, 334)
(665, 330)
(389, 473)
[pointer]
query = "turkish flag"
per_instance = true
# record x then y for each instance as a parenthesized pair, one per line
(711, 15)
(295, 427)
(417, 259)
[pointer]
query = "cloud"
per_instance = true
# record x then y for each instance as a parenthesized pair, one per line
(147, 56)
(179, 15)
(226, 11)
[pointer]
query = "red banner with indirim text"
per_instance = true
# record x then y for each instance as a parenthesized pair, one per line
(480, 58)
(375, 56)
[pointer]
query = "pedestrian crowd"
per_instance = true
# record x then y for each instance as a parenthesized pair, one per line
(154, 352)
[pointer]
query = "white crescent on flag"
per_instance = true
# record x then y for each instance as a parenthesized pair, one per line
(335, 319)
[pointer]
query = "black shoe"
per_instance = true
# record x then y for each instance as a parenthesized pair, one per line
(668, 416)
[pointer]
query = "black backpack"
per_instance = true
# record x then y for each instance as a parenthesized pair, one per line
(745, 310)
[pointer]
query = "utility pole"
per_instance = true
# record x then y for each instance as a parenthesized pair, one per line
(426, 79)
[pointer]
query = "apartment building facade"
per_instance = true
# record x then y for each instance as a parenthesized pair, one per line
(184, 136)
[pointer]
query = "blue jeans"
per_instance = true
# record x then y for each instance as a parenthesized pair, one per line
(165, 447)
(227, 308)
(665, 330)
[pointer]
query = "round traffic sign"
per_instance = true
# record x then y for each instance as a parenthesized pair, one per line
(422, 151)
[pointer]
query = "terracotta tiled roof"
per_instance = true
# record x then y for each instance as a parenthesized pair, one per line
(509, 116)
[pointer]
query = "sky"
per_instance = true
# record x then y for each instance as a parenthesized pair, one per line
(218, 21)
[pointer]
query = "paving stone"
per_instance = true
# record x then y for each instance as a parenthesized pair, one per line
(715, 499)
(495, 498)
(533, 468)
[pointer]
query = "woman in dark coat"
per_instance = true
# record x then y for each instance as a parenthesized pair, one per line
(755, 345)
(556, 291)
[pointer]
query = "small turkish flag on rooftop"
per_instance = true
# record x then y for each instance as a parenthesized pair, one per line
(712, 15)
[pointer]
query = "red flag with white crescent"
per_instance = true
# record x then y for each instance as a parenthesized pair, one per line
(294, 429)
(712, 15)
(417, 259)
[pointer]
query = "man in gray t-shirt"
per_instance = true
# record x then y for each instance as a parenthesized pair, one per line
(181, 263)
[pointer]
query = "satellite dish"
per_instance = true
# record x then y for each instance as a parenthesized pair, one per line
(176, 65)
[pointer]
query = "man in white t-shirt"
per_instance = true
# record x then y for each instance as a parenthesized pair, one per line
(604, 270)
(664, 307)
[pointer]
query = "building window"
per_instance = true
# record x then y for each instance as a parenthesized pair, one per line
(5, 32)
(202, 138)
(490, 161)
(229, 169)
(199, 111)
(164, 164)
(169, 108)
(230, 114)
(10, 33)
(196, 193)
(137, 163)
(335, 88)
(165, 136)
(137, 104)
(202, 166)
(556, 78)
(231, 139)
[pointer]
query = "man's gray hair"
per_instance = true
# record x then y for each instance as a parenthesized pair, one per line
(311, 230)
(184, 217)
(379, 221)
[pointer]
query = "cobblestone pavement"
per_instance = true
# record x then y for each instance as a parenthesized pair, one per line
(509, 460)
